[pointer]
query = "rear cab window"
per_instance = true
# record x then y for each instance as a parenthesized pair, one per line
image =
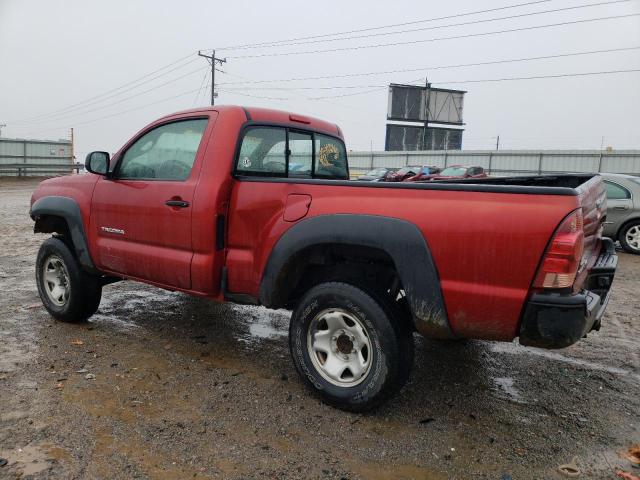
(271, 151)
(263, 152)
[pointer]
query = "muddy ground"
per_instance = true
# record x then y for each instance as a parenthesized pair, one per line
(162, 385)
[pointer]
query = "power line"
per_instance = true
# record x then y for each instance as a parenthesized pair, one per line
(244, 94)
(63, 116)
(472, 22)
(438, 67)
(335, 96)
(137, 80)
(118, 113)
(368, 29)
(331, 87)
(202, 84)
(488, 80)
(338, 87)
(560, 75)
(413, 42)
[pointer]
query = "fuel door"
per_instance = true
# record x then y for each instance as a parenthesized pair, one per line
(297, 207)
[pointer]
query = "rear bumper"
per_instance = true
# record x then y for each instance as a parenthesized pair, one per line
(554, 320)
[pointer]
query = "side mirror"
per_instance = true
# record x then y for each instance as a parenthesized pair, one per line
(98, 163)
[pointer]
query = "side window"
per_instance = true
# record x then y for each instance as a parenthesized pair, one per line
(331, 158)
(165, 153)
(301, 156)
(263, 152)
(616, 192)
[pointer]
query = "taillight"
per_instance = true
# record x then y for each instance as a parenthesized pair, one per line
(562, 259)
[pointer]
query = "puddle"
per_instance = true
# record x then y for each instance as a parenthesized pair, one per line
(386, 471)
(512, 348)
(505, 386)
(34, 459)
(116, 304)
(263, 323)
(114, 321)
(17, 343)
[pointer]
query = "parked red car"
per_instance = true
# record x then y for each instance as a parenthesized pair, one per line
(402, 174)
(206, 202)
(427, 172)
(460, 172)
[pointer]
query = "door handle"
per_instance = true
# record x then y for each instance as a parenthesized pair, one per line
(621, 207)
(176, 203)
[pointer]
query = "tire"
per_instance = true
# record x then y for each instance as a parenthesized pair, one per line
(629, 237)
(78, 294)
(336, 328)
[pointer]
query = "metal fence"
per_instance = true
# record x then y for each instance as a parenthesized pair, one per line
(43, 158)
(506, 162)
(37, 170)
(21, 157)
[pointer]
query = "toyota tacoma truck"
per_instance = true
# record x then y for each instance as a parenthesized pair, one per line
(255, 206)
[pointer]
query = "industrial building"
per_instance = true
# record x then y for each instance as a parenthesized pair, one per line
(26, 157)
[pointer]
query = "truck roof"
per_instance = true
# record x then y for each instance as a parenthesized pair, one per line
(270, 115)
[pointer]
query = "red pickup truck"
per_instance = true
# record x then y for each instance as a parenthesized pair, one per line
(255, 206)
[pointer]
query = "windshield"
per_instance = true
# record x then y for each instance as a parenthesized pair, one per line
(405, 170)
(376, 173)
(453, 171)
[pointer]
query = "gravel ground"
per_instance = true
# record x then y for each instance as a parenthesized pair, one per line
(162, 385)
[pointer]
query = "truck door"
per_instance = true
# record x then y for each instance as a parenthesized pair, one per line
(141, 215)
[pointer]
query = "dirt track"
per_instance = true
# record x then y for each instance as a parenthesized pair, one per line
(184, 388)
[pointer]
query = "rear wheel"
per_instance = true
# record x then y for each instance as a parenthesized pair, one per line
(350, 347)
(630, 237)
(68, 293)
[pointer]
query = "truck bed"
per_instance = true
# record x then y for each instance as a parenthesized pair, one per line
(562, 184)
(476, 230)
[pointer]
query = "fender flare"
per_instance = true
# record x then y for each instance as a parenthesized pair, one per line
(68, 209)
(400, 239)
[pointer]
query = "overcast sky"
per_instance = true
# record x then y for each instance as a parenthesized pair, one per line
(56, 54)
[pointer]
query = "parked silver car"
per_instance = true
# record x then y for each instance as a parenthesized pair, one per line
(623, 210)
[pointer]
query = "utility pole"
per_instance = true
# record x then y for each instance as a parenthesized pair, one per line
(498, 142)
(1, 126)
(72, 153)
(427, 86)
(212, 61)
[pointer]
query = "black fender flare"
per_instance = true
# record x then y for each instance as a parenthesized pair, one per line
(400, 239)
(68, 209)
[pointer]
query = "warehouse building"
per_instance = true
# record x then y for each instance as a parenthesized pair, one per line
(25, 157)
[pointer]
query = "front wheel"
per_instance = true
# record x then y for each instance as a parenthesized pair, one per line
(68, 293)
(351, 348)
(630, 237)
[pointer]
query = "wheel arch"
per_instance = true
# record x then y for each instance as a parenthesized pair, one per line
(55, 214)
(399, 241)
